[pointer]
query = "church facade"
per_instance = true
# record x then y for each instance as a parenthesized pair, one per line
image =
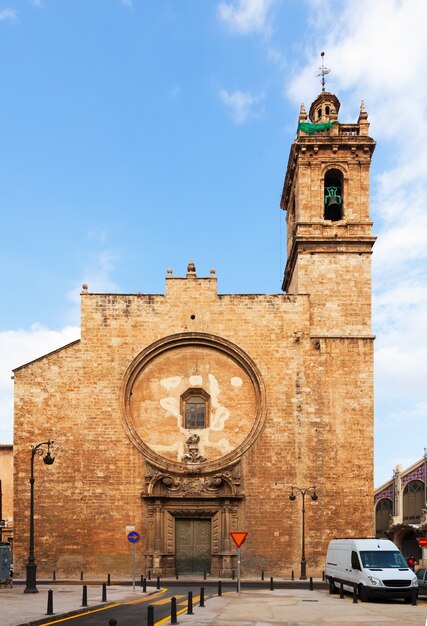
(189, 415)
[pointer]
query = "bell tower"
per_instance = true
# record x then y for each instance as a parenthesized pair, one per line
(329, 237)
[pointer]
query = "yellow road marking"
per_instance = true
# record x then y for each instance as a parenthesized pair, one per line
(165, 600)
(65, 619)
(195, 599)
(168, 618)
(103, 608)
(147, 598)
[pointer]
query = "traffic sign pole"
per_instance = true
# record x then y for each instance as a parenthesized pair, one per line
(133, 566)
(238, 571)
(238, 538)
(133, 537)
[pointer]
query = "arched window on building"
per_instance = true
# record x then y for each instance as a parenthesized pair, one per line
(383, 513)
(333, 196)
(195, 405)
(413, 502)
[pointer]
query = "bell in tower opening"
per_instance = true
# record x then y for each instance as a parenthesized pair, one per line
(333, 194)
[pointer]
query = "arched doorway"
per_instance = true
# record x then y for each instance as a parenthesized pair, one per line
(413, 502)
(383, 513)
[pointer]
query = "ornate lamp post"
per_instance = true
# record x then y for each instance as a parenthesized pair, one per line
(31, 565)
(293, 497)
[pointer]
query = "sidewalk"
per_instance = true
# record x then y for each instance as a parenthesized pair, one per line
(260, 607)
(300, 607)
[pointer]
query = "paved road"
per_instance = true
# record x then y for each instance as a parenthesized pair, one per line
(293, 605)
(132, 612)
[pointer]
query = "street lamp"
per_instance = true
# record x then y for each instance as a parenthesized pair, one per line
(31, 565)
(293, 497)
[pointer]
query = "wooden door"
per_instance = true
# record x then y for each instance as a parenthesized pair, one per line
(193, 546)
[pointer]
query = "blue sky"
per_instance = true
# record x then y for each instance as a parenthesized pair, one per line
(138, 134)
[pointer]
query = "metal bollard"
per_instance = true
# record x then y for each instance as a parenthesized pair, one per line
(341, 590)
(190, 603)
(292, 575)
(84, 595)
(202, 596)
(173, 611)
(144, 585)
(158, 582)
(262, 574)
(81, 575)
(112, 622)
(104, 592)
(204, 574)
(219, 588)
(271, 584)
(354, 594)
(414, 597)
(109, 580)
(311, 583)
(49, 602)
(150, 615)
(53, 575)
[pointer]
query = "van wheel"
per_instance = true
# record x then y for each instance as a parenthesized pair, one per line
(362, 594)
(332, 587)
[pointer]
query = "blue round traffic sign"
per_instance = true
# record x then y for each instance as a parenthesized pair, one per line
(134, 537)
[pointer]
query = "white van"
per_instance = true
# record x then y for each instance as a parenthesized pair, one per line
(375, 565)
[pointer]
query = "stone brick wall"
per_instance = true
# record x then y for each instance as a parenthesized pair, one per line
(300, 410)
(317, 429)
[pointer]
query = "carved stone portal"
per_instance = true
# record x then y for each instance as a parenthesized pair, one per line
(170, 500)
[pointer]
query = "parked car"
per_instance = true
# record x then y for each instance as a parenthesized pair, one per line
(374, 566)
(422, 581)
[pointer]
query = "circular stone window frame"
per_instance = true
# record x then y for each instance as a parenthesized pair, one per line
(202, 340)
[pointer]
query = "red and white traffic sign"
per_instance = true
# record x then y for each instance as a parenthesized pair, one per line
(238, 538)
(422, 542)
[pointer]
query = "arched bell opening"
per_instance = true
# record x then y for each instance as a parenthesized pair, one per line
(333, 196)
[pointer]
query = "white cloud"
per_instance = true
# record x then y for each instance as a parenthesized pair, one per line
(7, 14)
(18, 347)
(240, 103)
(37, 3)
(246, 16)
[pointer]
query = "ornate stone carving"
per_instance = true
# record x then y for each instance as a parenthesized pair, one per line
(193, 455)
(166, 484)
(171, 483)
(193, 486)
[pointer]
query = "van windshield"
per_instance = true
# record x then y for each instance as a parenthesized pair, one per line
(382, 558)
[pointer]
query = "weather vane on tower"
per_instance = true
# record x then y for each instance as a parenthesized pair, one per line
(323, 72)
